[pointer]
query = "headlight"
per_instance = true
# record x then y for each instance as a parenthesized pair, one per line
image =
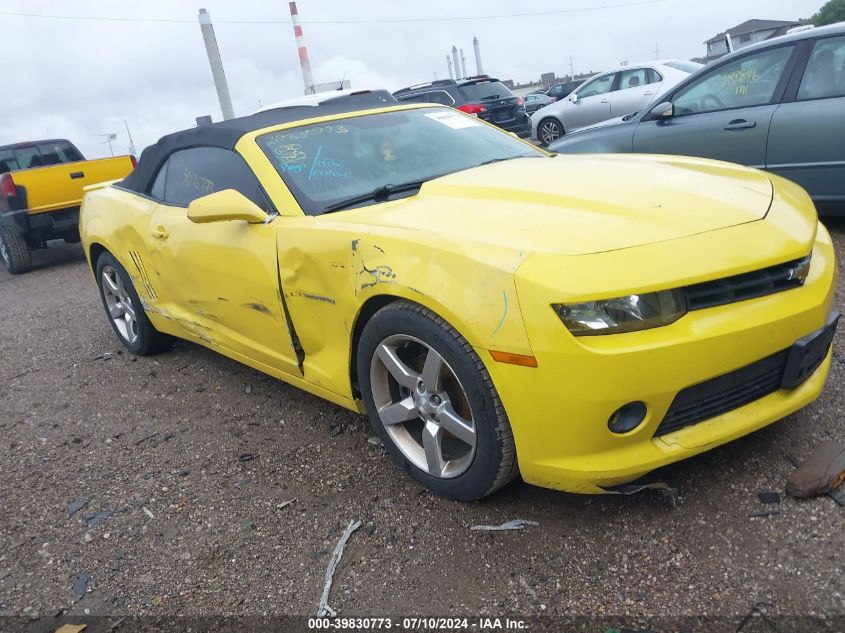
(625, 314)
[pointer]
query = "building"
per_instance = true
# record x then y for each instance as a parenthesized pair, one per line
(745, 34)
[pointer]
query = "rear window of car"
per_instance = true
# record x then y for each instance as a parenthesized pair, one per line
(484, 91)
(686, 67)
(38, 155)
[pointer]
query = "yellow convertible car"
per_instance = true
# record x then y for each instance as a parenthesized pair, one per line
(494, 309)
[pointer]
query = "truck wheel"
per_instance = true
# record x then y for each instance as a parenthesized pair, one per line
(125, 310)
(14, 252)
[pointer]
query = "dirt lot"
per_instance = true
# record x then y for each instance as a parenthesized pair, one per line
(195, 530)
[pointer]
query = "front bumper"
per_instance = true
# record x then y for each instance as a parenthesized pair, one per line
(559, 411)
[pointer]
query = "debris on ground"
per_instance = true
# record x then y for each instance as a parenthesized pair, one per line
(103, 356)
(75, 506)
(335, 430)
(528, 589)
(513, 524)
(375, 441)
(71, 628)
(324, 609)
(768, 496)
(758, 611)
(116, 623)
(248, 389)
(284, 504)
(148, 512)
(80, 585)
(820, 473)
(247, 457)
(93, 519)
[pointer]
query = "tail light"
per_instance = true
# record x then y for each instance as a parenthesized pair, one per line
(7, 186)
(472, 108)
(134, 161)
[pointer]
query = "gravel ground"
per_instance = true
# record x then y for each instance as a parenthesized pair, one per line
(195, 530)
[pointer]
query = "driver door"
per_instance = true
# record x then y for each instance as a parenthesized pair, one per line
(725, 114)
(593, 104)
(218, 280)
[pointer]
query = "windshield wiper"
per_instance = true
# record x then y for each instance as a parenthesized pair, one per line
(379, 194)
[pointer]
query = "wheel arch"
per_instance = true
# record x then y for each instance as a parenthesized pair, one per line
(94, 251)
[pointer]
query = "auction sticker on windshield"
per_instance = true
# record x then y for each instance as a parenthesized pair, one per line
(454, 120)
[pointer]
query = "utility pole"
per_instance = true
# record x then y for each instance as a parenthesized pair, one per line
(109, 138)
(129, 134)
(216, 65)
(463, 64)
(457, 63)
(656, 50)
(571, 68)
(449, 64)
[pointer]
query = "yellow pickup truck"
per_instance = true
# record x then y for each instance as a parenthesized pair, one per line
(41, 188)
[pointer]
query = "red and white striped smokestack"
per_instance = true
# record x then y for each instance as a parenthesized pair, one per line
(307, 77)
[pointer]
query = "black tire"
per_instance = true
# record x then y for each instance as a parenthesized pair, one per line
(149, 340)
(494, 462)
(551, 123)
(14, 252)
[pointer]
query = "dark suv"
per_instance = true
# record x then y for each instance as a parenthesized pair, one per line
(486, 97)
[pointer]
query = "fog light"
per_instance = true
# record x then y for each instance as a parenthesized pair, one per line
(627, 417)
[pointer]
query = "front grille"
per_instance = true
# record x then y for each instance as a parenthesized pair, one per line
(746, 286)
(722, 394)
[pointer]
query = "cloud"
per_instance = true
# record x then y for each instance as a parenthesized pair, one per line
(80, 79)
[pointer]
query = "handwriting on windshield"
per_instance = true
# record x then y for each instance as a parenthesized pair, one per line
(322, 167)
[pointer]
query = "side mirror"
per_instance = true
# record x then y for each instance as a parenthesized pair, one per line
(663, 112)
(573, 97)
(225, 206)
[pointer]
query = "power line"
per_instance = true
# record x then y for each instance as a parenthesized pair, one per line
(94, 18)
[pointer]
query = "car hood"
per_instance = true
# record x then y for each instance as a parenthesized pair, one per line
(572, 205)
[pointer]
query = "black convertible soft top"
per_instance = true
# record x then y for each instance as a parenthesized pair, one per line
(226, 134)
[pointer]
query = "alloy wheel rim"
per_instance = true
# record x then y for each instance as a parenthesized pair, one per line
(550, 132)
(423, 406)
(119, 305)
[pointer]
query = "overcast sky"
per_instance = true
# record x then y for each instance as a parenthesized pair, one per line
(77, 79)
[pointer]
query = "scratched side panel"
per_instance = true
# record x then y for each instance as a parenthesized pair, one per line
(329, 269)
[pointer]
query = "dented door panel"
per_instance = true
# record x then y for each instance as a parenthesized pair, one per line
(221, 284)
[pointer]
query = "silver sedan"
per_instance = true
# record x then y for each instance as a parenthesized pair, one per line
(608, 95)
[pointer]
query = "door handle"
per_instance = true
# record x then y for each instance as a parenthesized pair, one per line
(648, 93)
(77, 174)
(161, 233)
(740, 124)
(605, 100)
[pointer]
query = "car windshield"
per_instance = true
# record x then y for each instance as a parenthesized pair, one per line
(484, 91)
(328, 164)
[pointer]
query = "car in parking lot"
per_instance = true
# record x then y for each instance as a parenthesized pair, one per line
(562, 90)
(778, 105)
(608, 95)
(535, 101)
(493, 308)
(483, 96)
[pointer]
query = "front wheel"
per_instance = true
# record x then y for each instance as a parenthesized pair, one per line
(433, 404)
(549, 131)
(125, 311)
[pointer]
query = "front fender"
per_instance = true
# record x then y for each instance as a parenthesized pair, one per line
(327, 275)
